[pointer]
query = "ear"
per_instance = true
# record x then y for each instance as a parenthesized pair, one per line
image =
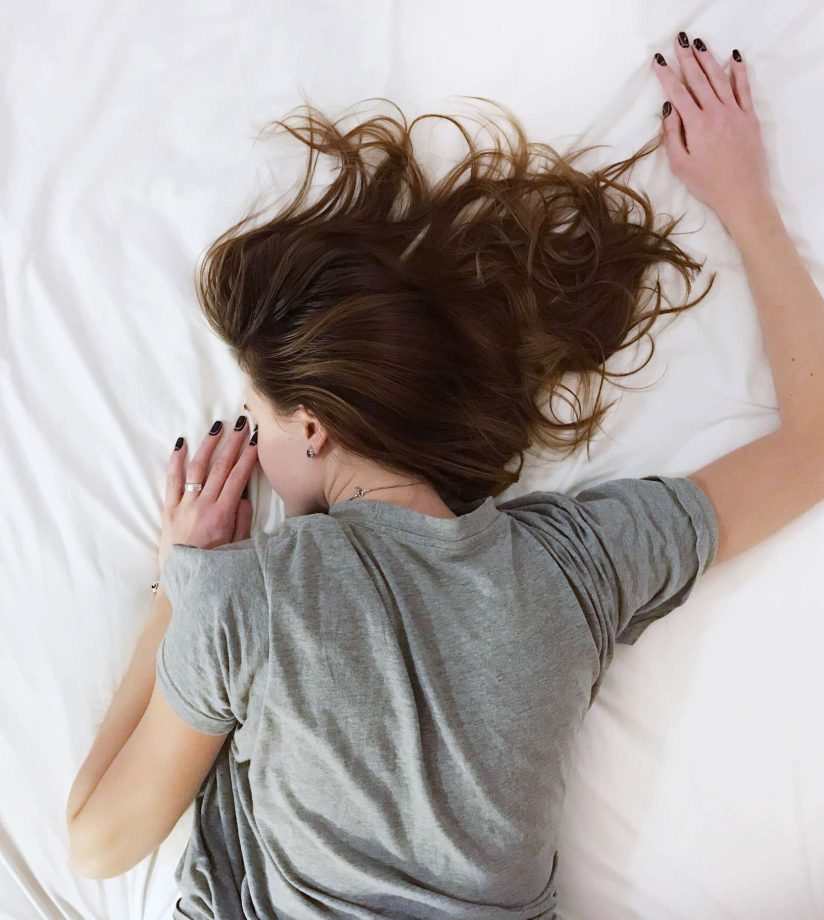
(312, 429)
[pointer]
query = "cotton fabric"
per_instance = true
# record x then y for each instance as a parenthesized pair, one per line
(400, 693)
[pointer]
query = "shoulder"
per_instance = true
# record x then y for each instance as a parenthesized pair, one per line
(611, 497)
(541, 511)
(304, 531)
(669, 510)
(196, 572)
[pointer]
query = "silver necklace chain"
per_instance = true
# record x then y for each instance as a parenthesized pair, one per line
(359, 491)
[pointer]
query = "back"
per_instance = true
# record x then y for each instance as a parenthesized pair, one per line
(407, 690)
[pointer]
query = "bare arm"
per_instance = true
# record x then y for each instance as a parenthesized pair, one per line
(791, 312)
(126, 709)
(761, 487)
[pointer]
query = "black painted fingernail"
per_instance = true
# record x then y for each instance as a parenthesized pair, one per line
(699, 44)
(666, 108)
(179, 443)
(216, 427)
(253, 439)
(683, 40)
(659, 59)
(241, 421)
(736, 55)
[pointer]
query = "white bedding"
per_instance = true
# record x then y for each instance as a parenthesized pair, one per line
(127, 146)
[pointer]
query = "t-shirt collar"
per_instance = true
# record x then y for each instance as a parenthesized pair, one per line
(473, 517)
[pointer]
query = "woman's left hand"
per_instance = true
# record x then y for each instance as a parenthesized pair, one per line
(217, 514)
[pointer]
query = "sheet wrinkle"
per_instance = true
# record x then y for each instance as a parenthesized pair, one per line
(129, 145)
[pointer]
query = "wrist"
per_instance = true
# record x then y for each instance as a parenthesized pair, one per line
(161, 609)
(751, 218)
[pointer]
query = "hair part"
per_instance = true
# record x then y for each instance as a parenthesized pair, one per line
(423, 322)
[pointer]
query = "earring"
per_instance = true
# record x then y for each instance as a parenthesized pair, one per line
(310, 451)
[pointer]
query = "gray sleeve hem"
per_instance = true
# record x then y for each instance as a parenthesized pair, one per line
(707, 534)
(705, 524)
(196, 719)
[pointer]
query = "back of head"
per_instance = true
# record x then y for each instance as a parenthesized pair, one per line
(424, 322)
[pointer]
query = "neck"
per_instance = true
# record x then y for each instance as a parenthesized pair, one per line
(420, 497)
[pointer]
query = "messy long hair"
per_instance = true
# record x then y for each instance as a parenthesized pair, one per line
(426, 321)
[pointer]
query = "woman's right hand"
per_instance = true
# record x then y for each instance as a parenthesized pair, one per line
(720, 157)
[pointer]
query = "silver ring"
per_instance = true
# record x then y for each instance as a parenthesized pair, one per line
(193, 486)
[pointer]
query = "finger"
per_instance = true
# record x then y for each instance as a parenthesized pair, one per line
(673, 139)
(719, 81)
(176, 475)
(225, 460)
(243, 521)
(199, 464)
(238, 478)
(695, 78)
(676, 92)
(741, 84)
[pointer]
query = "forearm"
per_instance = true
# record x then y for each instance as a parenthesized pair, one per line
(791, 312)
(126, 709)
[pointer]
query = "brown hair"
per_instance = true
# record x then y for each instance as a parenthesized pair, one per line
(423, 321)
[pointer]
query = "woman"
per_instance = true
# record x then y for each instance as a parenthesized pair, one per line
(401, 668)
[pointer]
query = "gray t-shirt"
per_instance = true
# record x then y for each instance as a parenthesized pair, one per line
(400, 694)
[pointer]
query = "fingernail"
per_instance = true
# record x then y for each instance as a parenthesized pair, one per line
(666, 108)
(216, 427)
(736, 56)
(699, 44)
(659, 59)
(179, 443)
(683, 40)
(241, 421)
(253, 439)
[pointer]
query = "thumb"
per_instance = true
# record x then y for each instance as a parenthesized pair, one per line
(243, 521)
(673, 138)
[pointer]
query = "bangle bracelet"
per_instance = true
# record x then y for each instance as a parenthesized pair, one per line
(155, 587)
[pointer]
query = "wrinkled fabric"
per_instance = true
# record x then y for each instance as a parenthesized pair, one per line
(400, 693)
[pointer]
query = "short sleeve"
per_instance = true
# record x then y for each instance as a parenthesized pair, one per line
(632, 549)
(218, 633)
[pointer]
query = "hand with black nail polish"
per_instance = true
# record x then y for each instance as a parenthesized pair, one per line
(711, 131)
(220, 512)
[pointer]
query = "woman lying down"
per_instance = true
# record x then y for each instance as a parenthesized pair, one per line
(401, 668)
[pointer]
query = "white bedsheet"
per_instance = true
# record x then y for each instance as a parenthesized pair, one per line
(127, 146)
